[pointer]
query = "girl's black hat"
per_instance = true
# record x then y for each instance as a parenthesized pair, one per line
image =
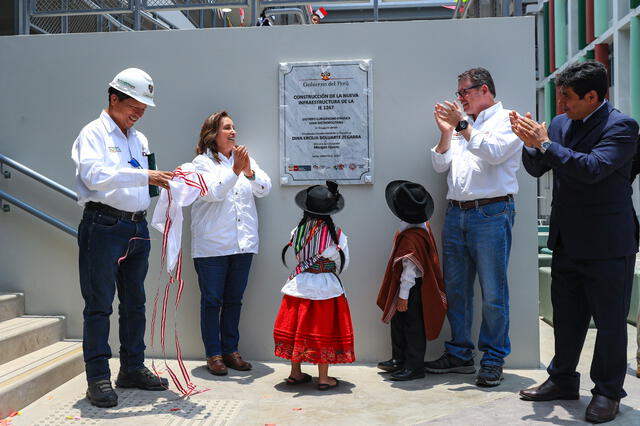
(320, 199)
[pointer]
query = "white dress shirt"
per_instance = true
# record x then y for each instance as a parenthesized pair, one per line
(225, 221)
(326, 285)
(409, 269)
(102, 153)
(484, 167)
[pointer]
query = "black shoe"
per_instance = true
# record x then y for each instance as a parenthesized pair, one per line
(448, 363)
(489, 376)
(548, 391)
(602, 409)
(101, 394)
(407, 374)
(141, 379)
(391, 365)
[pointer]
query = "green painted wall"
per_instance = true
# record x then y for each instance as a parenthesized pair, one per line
(600, 17)
(582, 24)
(560, 24)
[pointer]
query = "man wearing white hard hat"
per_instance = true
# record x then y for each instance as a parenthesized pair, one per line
(112, 180)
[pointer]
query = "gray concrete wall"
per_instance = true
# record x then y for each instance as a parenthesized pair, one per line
(52, 85)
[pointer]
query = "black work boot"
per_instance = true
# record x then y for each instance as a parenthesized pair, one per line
(141, 379)
(101, 394)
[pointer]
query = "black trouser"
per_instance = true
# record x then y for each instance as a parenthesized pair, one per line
(580, 289)
(408, 342)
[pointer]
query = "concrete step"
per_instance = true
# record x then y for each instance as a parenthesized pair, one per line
(11, 305)
(20, 336)
(25, 379)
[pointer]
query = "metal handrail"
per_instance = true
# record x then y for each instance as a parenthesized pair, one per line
(288, 11)
(39, 214)
(37, 176)
(46, 181)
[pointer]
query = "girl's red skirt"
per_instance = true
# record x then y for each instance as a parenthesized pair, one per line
(316, 331)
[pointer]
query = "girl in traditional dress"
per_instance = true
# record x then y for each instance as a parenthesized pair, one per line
(314, 322)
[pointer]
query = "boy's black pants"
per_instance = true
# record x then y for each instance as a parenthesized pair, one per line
(408, 341)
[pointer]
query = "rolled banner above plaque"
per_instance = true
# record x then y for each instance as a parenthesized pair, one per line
(326, 111)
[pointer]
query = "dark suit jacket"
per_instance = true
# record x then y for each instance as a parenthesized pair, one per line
(591, 212)
(635, 164)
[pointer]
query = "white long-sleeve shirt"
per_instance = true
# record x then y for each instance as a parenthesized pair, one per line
(326, 285)
(225, 221)
(486, 165)
(409, 269)
(102, 153)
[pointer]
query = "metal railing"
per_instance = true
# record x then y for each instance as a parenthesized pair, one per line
(70, 16)
(4, 160)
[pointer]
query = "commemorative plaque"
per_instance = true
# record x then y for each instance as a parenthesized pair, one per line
(326, 110)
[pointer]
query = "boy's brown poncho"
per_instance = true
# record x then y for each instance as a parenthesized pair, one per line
(418, 245)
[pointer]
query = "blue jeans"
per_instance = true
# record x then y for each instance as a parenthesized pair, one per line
(222, 281)
(478, 240)
(102, 240)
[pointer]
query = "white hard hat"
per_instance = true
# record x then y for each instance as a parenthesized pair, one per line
(135, 83)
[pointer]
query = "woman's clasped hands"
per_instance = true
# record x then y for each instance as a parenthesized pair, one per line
(241, 161)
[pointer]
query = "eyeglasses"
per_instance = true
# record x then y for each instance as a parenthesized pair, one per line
(463, 92)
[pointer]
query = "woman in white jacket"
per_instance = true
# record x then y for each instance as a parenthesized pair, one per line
(224, 229)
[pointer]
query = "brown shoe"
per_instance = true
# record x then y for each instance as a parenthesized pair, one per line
(235, 361)
(548, 391)
(602, 409)
(216, 366)
(638, 370)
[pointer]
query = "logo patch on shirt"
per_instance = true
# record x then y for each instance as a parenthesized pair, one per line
(114, 149)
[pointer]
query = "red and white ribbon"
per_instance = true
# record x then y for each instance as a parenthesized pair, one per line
(185, 386)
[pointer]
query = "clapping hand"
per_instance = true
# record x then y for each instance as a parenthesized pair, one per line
(447, 115)
(528, 130)
(241, 161)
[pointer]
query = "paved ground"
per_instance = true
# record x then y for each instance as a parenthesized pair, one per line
(364, 397)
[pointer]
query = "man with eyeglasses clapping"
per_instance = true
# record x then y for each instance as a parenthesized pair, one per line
(481, 154)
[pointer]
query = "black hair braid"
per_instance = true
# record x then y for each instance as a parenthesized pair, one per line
(305, 217)
(334, 237)
(332, 231)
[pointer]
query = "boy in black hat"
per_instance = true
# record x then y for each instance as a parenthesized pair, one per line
(412, 291)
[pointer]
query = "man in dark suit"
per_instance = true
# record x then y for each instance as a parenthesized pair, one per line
(593, 233)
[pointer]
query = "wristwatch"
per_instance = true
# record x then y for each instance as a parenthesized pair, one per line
(544, 146)
(462, 124)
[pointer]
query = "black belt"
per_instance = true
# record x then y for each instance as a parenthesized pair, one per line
(113, 212)
(465, 205)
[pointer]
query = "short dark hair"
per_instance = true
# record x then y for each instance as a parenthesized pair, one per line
(479, 76)
(584, 77)
(121, 96)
